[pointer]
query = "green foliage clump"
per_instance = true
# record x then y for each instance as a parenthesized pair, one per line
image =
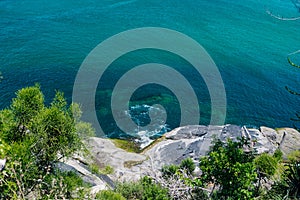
(20, 173)
(292, 179)
(63, 185)
(3, 148)
(288, 187)
(231, 169)
(278, 155)
(83, 129)
(94, 168)
(56, 126)
(266, 164)
(294, 156)
(127, 145)
(33, 137)
(144, 189)
(169, 170)
(109, 195)
(107, 170)
(188, 165)
(27, 105)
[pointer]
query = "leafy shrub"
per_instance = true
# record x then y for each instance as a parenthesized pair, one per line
(26, 106)
(188, 164)
(229, 168)
(63, 185)
(22, 178)
(107, 170)
(32, 138)
(169, 170)
(20, 174)
(109, 195)
(144, 189)
(278, 155)
(266, 164)
(292, 178)
(130, 190)
(3, 148)
(294, 156)
(94, 168)
(289, 185)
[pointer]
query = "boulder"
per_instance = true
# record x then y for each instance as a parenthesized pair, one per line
(191, 141)
(124, 163)
(289, 140)
(270, 134)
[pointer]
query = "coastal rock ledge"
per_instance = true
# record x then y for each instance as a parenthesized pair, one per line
(189, 141)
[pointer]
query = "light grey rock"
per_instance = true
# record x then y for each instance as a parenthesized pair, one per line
(106, 153)
(187, 133)
(191, 141)
(261, 143)
(73, 165)
(290, 140)
(270, 134)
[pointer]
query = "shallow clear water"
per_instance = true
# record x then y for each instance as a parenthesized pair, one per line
(46, 41)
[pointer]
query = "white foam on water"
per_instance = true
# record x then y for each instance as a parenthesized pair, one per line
(140, 114)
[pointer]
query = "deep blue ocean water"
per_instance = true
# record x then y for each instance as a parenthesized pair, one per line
(46, 42)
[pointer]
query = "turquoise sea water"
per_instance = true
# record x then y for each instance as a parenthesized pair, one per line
(46, 42)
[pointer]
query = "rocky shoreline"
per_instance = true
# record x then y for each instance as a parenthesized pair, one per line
(189, 141)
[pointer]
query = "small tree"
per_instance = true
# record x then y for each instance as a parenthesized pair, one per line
(266, 164)
(54, 131)
(25, 107)
(230, 169)
(33, 137)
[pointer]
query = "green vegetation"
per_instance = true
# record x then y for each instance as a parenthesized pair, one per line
(169, 170)
(127, 145)
(288, 187)
(109, 195)
(266, 164)
(278, 155)
(231, 169)
(95, 169)
(131, 163)
(144, 189)
(107, 170)
(294, 156)
(188, 165)
(33, 138)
